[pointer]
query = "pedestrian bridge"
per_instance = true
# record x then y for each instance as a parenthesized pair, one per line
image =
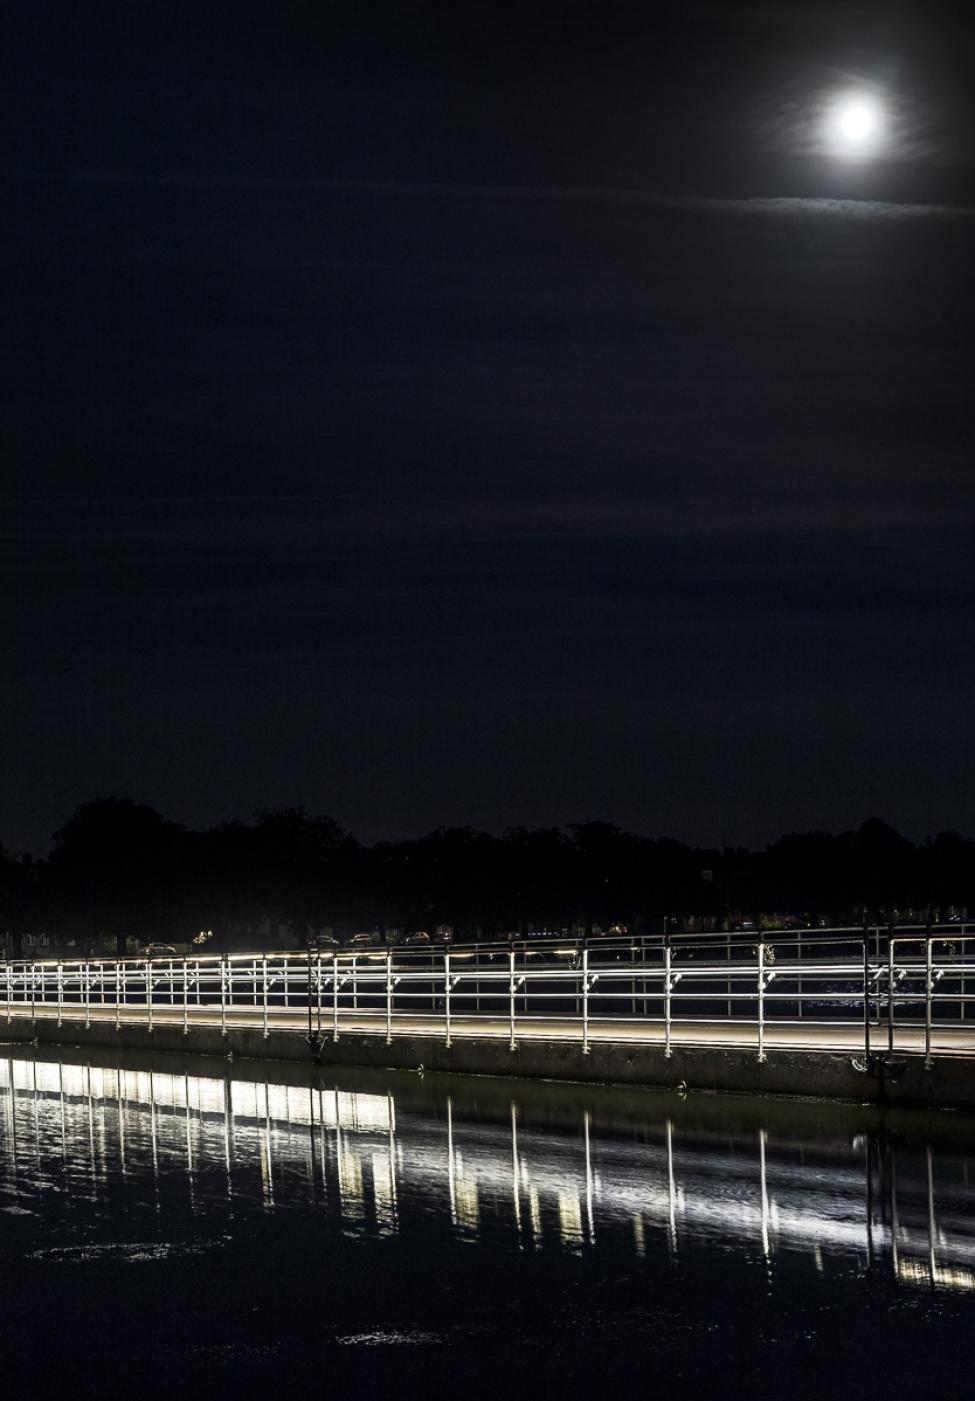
(864, 991)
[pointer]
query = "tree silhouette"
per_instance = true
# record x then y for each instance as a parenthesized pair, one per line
(117, 868)
(120, 869)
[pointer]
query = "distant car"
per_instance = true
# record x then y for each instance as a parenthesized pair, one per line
(362, 941)
(419, 936)
(323, 941)
(159, 951)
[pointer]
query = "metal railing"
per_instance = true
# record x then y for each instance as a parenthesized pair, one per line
(877, 990)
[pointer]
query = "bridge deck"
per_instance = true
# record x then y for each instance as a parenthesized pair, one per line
(778, 1035)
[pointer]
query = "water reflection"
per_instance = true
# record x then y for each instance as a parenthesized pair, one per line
(521, 1172)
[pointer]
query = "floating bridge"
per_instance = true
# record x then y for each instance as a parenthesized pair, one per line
(736, 1011)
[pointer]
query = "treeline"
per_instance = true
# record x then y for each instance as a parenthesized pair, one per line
(120, 871)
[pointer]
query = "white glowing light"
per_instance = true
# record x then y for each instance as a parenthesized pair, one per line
(859, 121)
(856, 125)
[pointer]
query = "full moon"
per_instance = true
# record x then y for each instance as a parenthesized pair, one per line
(855, 125)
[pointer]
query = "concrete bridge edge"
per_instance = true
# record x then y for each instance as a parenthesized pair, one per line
(948, 1083)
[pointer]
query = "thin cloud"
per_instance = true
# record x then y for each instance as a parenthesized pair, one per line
(791, 206)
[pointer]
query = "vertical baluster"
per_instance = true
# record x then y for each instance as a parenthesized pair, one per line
(511, 996)
(585, 1009)
(890, 992)
(928, 998)
(446, 996)
(866, 989)
(761, 1001)
(389, 996)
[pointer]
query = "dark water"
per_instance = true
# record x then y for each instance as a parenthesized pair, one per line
(199, 1228)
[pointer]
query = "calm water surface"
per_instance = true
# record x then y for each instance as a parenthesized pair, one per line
(196, 1227)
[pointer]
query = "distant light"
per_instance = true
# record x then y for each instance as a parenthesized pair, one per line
(855, 125)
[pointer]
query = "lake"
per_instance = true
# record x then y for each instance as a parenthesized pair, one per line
(201, 1227)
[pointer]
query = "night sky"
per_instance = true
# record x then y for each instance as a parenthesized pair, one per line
(434, 417)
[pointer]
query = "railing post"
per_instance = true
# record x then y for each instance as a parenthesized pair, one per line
(866, 989)
(335, 997)
(512, 1044)
(928, 997)
(186, 998)
(585, 1001)
(668, 989)
(149, 992)
(264, 991)
(311, 1022)
(446, 996)
(60, 984)
(890, 991)
(389, 996)
(33, 992)
(224, 968)
(761, 1001)
(10, 991)
(86, 973)
(118, 994)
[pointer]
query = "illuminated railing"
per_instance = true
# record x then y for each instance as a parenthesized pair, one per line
(876, 990)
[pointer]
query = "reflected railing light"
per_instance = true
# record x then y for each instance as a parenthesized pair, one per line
(578, 1187)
